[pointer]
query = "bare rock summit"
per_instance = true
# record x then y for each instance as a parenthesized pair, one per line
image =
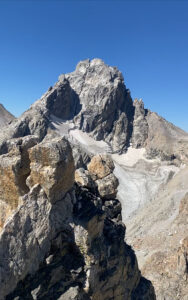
(95, 100)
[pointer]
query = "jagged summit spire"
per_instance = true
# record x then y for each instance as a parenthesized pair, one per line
(95, 100)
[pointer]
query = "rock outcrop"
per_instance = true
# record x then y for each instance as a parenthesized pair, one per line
(99, 175)
(63, 241)
(52, 166)
(5, 116)
(14, 169)
(140, 125)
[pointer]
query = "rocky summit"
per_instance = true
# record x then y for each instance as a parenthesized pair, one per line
(84, 173)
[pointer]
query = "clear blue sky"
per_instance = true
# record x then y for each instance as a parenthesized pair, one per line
(146, 40)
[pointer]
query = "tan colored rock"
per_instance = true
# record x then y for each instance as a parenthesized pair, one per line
(83, 178)
(107, 187)
(52, 167)
(101, 166)
(5, 212)
(14, 169)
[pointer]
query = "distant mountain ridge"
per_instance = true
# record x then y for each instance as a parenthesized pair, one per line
(5, 116)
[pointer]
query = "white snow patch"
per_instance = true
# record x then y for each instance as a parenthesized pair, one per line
(131, 157)
(92, 145)
(139, 186)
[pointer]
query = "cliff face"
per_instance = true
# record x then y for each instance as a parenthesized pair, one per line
(95, 100)
(65, 241)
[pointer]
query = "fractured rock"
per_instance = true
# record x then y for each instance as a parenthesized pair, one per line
(107, 186)
(100, 174)
(101, 166)
(140, 125)
(83, 178)
(14, 169)
(52, 166)
(60, 243)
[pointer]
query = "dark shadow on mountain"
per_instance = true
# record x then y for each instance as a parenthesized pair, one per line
(64, 102)
(63, 269)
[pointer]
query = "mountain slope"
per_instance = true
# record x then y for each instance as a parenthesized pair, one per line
(5, 116)
(94, 110)
(95, 100)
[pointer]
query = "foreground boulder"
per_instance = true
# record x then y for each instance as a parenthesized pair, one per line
(52, 166)
(62, 241)
(14, 169)
(99, 175)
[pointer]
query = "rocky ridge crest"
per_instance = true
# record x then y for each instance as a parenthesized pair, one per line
(93, 99)
(64, 240)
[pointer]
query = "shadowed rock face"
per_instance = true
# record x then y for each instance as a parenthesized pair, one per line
(63, 240)
(63, 102)
(95, 100)
(93, 97)
(107, 110)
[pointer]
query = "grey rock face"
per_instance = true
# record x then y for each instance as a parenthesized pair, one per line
(99, 176)
(166, 140)
(107, 110)
(63, 102)
(107, 186)
(5, 116)
(93, 97)
(81, 156)
(95, 100)
(140, 125)
(70, 248)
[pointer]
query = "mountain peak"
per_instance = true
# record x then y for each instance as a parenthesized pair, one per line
(5, 115)
(94, 99)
